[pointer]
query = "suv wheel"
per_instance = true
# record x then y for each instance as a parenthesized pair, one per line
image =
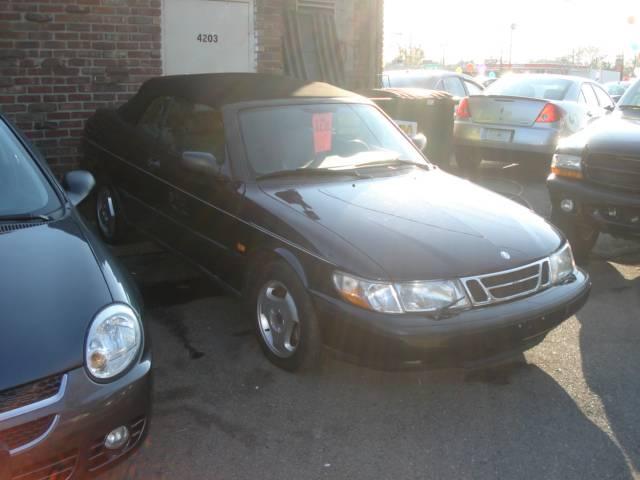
(581, 236)
(286, 325)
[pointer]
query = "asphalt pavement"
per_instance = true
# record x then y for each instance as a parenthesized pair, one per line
(569, 410)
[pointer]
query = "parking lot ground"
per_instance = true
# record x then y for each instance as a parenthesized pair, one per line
(570, 410)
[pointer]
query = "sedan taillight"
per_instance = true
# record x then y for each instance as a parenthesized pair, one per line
(463, 112)
(549, 114)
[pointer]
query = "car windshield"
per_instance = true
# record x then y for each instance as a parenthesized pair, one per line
(543, 87)
(324, 136)
(23, 188)
(631, 98)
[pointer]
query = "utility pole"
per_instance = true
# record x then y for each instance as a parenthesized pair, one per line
(512, 28)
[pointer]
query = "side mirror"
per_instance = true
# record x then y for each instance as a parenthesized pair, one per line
(78, 185)
(203, 163)
(610, 108)
(420, 141)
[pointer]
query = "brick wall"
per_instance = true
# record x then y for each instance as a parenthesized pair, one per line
(60, 60)
(269, 26)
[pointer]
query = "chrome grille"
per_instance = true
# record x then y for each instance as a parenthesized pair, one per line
(30, 393)
(613, 171)
(509, 284)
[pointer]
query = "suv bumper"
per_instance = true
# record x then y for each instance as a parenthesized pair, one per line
(610, 211)
(469, 339)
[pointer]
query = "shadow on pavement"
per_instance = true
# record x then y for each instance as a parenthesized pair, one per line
(609, 340)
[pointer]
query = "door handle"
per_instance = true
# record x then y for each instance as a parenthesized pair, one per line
(153, 163)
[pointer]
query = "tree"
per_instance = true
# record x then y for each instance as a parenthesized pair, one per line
(410, 57)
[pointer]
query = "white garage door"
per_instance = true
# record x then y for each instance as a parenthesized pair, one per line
(207, 36)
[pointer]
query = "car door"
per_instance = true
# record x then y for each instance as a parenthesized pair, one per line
(201, 199)
(134, 179)
(593, 110)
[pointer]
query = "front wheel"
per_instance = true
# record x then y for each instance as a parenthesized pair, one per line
(581, 236)
(286, 324)
(108, 215)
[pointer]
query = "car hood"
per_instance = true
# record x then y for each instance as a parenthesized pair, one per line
(419, 225)
(617, 133)
(50, 288)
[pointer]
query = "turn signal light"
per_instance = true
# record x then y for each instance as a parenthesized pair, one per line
(463, 111)
(549, 114)
(563, 172)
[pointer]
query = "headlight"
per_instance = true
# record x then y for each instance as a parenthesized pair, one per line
(427, 296)
(566, 165)
(562, 264)
(432, 296)
(113, 342)
(380, 297)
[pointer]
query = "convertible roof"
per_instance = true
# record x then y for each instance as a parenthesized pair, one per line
(219, 89)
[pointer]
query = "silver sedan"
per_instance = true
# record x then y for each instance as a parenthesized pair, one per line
(522, 117)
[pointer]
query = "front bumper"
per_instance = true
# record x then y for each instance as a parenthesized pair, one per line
(82, 416)
(612, 211)
(519, 139)
(469, 339)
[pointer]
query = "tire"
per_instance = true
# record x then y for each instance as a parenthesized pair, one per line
(581, 237)
(109, 215)
(468, 160)
(285, 322)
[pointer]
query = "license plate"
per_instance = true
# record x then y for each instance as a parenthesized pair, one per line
(497, 135)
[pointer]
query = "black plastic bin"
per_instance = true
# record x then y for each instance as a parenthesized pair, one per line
(431, 110)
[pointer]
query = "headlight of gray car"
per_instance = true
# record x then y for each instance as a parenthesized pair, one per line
(562, 264)
(428, 296)
(113, 341)
(567, 165)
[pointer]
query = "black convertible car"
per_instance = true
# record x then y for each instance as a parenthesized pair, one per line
(595, 179)
(312, 203)
(74, 361)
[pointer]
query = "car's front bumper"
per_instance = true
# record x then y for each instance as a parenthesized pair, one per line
(468, 339)
(537, 140)
(84, 414)
(613, 211)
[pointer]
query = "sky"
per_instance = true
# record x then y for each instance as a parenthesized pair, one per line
(479, 29)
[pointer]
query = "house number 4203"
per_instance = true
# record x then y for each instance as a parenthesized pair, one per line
(207, 37)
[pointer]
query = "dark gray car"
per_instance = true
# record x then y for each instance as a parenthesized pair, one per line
(75, 361)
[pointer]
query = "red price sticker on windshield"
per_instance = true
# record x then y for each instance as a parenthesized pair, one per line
(322, 129)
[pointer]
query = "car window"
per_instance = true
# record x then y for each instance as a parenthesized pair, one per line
(322, 136)
(23, 187)
(453, 85)
(542, 87)
(472, 88)
(193, 127)
(151, 119)
(603, 98)
(589, 95)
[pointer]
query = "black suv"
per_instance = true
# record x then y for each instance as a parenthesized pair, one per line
(595, 178)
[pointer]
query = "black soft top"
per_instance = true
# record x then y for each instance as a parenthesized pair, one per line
(220, 89)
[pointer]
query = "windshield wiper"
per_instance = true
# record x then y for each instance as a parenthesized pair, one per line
(393, 162)
(629, 107)
(23, 217)
(301, 172)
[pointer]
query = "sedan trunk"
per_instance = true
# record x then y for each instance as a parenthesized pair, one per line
(505, 110)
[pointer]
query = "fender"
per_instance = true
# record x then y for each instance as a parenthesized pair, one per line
(293, 262)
